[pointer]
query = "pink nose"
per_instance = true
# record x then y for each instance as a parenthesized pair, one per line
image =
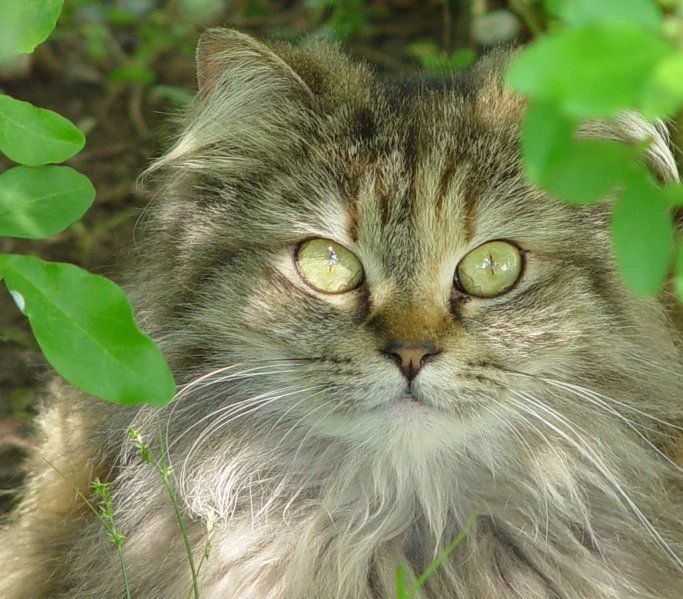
(410, 357)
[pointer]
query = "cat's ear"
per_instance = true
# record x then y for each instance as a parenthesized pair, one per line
(227, 58)
(251, 103)
(632, 127)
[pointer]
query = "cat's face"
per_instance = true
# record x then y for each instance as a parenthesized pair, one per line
(372, 260)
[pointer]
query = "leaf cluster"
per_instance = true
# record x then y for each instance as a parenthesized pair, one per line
(603, 60)
(83, 323)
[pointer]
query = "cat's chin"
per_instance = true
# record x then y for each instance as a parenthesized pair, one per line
(408, 423)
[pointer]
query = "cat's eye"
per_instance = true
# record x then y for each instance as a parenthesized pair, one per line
(489, 270)
(328, 267)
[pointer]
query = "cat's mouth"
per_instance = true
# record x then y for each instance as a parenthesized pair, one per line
(407, 400)
(411, 397)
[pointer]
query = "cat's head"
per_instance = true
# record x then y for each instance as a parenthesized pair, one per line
(366, 260)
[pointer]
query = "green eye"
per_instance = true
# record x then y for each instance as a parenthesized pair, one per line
(489, 270)
(328, 266)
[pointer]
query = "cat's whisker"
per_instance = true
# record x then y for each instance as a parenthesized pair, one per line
(583, 390)
(311, 428)
(262, 363)
(334, 407)
(596, 399)
(265, 508)
(233, 407)
(188, 386)
(599, 400)
(551, 446)
(527, 409)
(587, 452)
(225, 379)
(656, 365)
(211, 378)
(227, 409)
(205, 381)
(495, 413)
(293, 407)
(254, 405)
(245, 407)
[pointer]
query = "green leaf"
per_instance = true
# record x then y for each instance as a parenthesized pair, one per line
(26, 23)
(84, 326)
(462, 58)
(37, 202)
(400, 583)
(590, 71)
(678, 282)
(546, 136)
(176, 95)
(575, 171)
(132, 72)
(663, 93)
(673, 194)
(642, 233)
(644, 13)
(590, 169)
(35, 136)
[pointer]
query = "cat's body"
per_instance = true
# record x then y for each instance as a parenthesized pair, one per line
(337, 435)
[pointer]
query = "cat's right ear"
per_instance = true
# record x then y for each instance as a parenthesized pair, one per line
(251, 103)
(226, 54)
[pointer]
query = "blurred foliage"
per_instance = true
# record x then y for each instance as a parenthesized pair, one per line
(598, 61)
(432, 58)
(125, 37)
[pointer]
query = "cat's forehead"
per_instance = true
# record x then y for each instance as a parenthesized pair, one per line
(440, 173)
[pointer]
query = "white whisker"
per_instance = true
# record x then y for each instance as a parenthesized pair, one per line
(586, 451)
(241, 410)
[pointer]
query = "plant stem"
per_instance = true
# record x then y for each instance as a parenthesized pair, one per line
(444, 554)
(111, 531)
(164, 470)
(124, 570)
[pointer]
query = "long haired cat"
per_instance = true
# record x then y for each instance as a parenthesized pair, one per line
(385, 339)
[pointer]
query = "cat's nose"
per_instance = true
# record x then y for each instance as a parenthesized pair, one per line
(410, 357)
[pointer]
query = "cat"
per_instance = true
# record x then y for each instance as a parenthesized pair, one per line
(387, 343)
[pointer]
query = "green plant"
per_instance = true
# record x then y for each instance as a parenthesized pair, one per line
(164, 470)
(103, 509)
(83, 323)
(96, 26)
(102, 506)
(105, 515)
(431, 58)
(600, 60)
(402, 592)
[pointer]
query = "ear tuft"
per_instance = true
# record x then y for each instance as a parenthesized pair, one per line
(222, 50)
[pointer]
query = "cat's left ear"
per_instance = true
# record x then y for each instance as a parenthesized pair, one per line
(222, 52)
